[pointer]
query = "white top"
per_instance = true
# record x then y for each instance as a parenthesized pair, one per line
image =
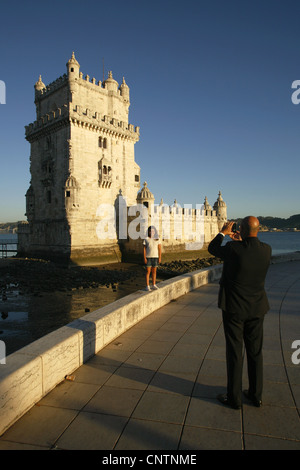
(151, 247)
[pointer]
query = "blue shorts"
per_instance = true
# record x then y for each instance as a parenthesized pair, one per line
(152, 262)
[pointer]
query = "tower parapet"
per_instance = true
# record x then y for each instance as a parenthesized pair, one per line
(101, 107)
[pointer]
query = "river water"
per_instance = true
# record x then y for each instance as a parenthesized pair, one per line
(25, 318)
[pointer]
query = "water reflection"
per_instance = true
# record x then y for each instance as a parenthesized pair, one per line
(25, 318)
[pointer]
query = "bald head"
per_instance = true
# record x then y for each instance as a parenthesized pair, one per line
(249, 226)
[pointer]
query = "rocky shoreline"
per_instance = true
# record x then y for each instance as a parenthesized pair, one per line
(178, 267)
(32, 276)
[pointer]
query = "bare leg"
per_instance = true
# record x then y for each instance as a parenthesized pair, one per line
(154, 276)
(148, 276)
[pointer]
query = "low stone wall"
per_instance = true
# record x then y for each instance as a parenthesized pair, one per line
(33, 371)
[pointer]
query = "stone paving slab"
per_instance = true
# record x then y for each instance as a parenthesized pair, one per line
(155, 387)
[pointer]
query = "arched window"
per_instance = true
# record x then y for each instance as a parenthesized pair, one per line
(102, 142)
(105, 171)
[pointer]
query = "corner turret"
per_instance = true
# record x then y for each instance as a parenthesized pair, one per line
(124, 90)
(221, 210)
(207, 207)
(145, 196)
(39, 86)
(73, 68)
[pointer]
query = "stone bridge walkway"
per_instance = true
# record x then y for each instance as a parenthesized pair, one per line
(155, 387)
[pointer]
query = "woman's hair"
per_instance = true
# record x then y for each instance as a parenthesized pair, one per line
(149, 232)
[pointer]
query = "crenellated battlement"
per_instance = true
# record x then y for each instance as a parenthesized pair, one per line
(75, 77)
(98, 85)
(41, 90)
(59, 115)
(98, 106)
(45, 90)
(87, 118)
(96, 121)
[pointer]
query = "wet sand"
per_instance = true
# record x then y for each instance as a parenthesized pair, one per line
(37, 296)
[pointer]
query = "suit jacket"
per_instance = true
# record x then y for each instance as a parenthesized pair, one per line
(246, 263)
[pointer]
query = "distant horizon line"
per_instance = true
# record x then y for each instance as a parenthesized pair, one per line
(229, 218)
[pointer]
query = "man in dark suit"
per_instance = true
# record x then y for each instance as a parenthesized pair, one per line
(244, 303)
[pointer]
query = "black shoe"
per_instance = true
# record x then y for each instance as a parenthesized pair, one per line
(225, 401)
(255, 402)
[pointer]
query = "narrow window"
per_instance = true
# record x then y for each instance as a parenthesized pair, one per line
(49, 197)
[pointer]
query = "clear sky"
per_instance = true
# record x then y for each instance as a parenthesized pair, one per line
(210, 87)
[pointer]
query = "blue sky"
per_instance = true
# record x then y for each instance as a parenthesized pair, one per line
(210, 87)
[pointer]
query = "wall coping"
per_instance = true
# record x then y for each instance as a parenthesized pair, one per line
(33, 371)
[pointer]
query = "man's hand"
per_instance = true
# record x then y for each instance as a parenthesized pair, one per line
(236, 236)
(227, 230)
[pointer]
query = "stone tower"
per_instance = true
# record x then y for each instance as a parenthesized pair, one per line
(81, 157)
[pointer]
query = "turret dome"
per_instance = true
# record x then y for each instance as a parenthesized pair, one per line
(73, 68)
(145, 196)
(110, 83)
(72, 61)
(219, 202)
(39, 84)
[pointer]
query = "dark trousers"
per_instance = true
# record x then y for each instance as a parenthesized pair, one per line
(248, 332)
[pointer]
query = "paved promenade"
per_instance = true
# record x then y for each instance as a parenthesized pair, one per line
(155, 387)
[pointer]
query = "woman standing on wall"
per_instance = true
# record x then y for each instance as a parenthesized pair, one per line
(152, 255)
